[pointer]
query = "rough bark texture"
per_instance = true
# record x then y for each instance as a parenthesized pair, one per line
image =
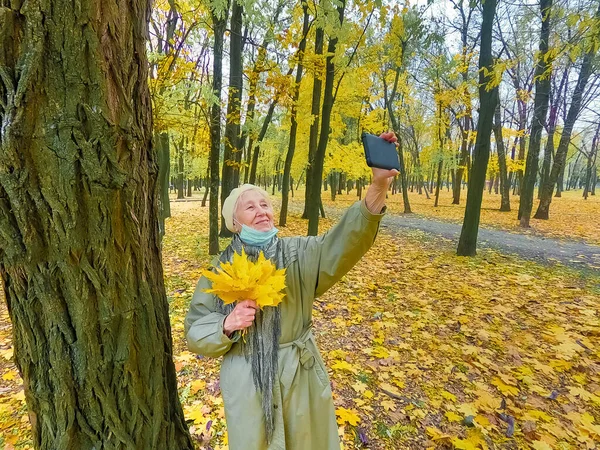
(314, 126)
(164, 168)
(467, 244)
(395, 126)
(294, 123)
(319, 159)
(232, 126)
(219, 23)
(80, 255)
(565, 138)
(542, 91)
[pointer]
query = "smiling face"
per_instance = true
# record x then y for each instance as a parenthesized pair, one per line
(253, 210)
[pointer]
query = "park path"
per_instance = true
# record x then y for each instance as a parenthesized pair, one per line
(545, 250)
(533, 247)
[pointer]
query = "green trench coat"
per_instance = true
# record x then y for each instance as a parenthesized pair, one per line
(304, 411)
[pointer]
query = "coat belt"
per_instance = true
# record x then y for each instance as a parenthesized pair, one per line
(304, 356)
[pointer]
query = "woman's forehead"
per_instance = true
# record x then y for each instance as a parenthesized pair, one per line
(251, 196)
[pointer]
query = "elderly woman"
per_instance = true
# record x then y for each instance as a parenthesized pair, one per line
(275, 386)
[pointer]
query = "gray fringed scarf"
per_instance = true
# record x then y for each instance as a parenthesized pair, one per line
(262, 339)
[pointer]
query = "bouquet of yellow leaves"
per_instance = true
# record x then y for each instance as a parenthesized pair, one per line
(245, 280)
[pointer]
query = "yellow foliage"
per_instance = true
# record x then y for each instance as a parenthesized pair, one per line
(349, 416)
(243, 279)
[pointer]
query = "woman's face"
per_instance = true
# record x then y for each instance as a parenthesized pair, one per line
(253, 210)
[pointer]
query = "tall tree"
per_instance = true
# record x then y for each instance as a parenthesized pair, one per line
(574, 110)
(488, 96)
(219, 20)
(294, 122)
(543, 71)
(504, 185)
(314, 126)
(232, 125)
(314, 202)
(80, 260)
(466, 16)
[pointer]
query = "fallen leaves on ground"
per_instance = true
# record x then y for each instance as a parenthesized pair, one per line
(424, 349)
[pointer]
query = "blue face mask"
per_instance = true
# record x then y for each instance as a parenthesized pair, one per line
(257, 238)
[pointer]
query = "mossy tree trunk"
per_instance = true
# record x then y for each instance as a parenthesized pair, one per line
(219, 20)
(504, 184)
(315, 111)
(314, 204)
(543, 71)
(80, 259)
(467, 244)
(234, 99)
(289, 157)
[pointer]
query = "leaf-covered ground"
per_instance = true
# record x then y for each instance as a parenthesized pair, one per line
(571, 216)
(425, 349)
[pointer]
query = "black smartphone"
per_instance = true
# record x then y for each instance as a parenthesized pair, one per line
(379, 152)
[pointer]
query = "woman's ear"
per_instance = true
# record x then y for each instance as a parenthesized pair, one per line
(236, 226)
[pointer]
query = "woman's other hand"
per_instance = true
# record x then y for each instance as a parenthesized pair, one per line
(241, 317)
(383, 177)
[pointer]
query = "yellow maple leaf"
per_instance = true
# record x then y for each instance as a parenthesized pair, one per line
(347, 416)
(506, 389)
(540, 445)
(242, 279)
(343, 365)
(453, 417)
(197, 385)
(448, 395)
(388, 405)
(464, 444)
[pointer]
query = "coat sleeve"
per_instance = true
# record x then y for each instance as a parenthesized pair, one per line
(204, 326)
(325, 259)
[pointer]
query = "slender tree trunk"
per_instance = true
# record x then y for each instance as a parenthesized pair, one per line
(565, 138)
(189, 187)
(164, 167)
(439, 183)
(180, 170)
(559, 182)
(314, 126)
(80, 259)
(206, 186)
(294, 123)
(467, 245)
(319, 159)
(219, 23)
(542, 90)
(504, 184)
(232, 125)
(395, 126)
(591, 166)
(261, 135)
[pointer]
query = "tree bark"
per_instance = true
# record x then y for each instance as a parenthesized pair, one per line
(219, 19)
(565, 138)
(234, 99)
(80, 260)
(314, 126)
(180, 169)
(542, 89)
(287, 168)
(467, 245)
(164, 168)
(319, 159)
(467, 119)
(389, 104)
